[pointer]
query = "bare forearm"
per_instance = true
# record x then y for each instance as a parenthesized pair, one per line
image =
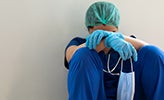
(135, 42)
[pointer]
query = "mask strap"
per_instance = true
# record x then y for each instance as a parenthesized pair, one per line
(131, 64)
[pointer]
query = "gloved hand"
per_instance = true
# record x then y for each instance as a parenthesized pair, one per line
(125, 49)
(95, 38)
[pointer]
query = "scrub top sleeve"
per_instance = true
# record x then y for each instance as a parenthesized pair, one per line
(75, 41)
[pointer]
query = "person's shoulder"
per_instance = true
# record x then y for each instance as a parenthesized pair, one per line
(79, 39)
(76, 41)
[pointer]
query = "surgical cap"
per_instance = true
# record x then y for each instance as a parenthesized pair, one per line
(102, 13)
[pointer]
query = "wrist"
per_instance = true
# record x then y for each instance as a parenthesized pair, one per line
(101, 46)
(106, 42)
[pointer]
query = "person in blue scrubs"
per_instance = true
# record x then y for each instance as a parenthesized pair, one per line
(86, 78)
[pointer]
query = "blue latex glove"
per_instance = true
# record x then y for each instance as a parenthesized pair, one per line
(95, 38)
(120, 35)
(125, 49)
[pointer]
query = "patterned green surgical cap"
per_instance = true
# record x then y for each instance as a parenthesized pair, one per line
(102, 13)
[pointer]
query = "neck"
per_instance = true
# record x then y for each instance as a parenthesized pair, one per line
(106, 50)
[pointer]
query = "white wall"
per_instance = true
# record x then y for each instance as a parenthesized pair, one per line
(34, 33)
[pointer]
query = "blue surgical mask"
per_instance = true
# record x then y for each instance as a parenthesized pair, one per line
(126, 84)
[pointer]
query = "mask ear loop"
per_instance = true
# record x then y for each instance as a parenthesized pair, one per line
(131, 64)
